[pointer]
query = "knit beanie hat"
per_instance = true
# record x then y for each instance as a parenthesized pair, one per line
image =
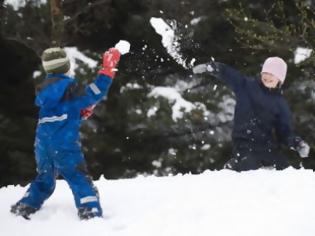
(56, 61)
(275, 66)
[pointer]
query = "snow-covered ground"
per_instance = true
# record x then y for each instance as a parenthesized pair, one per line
(220, 203)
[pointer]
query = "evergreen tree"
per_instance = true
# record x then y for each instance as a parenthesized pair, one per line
(134, 130)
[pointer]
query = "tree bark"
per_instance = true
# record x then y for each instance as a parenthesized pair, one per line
(57, 21)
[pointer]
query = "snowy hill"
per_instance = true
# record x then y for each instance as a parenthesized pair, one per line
(221, 203)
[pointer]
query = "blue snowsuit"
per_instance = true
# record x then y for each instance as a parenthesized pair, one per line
(262, 122)
(57, 142)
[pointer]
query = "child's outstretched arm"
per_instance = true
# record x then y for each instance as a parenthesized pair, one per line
(95, 91)
(223, 72)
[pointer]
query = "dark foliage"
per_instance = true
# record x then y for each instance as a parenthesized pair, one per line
(121, 140)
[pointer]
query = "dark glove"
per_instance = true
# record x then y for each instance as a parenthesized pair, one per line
(110, 61)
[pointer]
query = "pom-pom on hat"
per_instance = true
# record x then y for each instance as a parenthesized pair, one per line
(56, 61)
(276, 66)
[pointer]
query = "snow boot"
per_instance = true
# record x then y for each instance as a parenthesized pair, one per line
(21, 209)
(85, 213)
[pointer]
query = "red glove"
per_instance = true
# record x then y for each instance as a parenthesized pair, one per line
(110, 61)
(87, 112)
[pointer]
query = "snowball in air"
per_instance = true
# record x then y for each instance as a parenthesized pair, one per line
(123, 47)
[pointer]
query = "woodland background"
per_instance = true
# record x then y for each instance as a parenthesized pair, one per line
(133, 132)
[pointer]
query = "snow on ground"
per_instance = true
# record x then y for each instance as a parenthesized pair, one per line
(220, 203)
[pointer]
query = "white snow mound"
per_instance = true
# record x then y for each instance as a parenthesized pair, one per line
(220, 203)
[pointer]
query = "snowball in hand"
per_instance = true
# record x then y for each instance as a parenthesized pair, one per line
(123, 47)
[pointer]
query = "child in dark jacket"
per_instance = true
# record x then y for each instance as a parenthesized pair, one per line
(63, 104)
(260, 112)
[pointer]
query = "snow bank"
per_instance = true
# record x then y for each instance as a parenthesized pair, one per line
(221, 203)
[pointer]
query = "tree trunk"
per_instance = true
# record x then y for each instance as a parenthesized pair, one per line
(57, 21)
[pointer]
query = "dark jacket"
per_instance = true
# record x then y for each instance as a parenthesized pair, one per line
(262, 117)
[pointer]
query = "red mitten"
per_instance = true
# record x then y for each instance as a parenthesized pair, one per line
(87, 112)
(110, 61)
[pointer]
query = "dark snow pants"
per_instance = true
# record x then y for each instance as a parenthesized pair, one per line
(245, 158)
(72, 167)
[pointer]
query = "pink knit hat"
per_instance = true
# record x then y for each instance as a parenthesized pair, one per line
(275, 66)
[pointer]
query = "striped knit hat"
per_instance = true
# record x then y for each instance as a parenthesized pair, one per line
(55, 61)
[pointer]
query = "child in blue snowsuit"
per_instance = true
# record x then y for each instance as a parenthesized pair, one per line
(63, 104)
(260, 112)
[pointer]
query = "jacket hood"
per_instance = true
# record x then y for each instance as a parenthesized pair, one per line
(52, 91)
